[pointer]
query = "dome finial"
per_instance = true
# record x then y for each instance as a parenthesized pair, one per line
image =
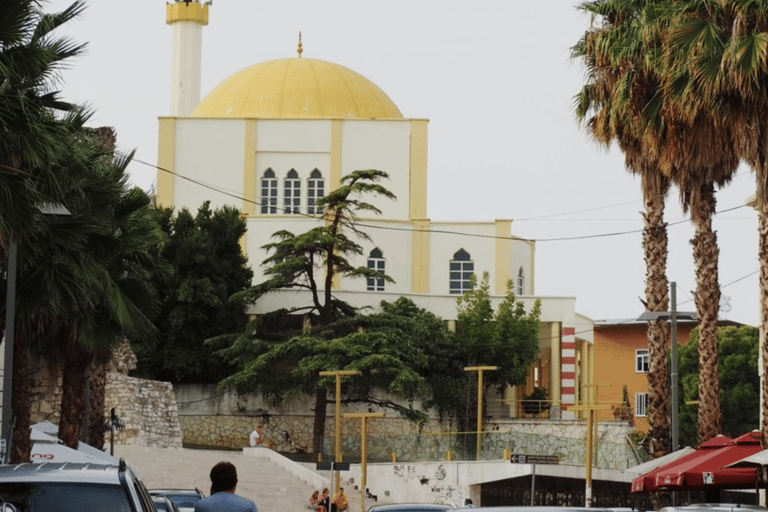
(299, 49)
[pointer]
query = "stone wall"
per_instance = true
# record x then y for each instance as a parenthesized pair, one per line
(148, 407)
(209, 416)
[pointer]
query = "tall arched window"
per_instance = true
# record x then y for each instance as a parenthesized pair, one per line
(376, 262)
(461, 270)
(520, 282)
(269, 192)
(292, 192)
(315, 190)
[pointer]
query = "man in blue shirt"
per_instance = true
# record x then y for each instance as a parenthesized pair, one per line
(223, 497)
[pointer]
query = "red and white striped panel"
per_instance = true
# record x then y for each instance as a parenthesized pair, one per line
(568, 367)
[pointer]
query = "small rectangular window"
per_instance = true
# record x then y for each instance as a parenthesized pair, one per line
(641, 404)
(641, 360)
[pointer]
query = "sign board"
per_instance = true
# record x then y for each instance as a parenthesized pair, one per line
(331, 466)
(519, 458)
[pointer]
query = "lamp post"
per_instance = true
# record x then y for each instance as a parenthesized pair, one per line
(337, 444)
(479, 370)
(50, 209)
(672, 315)
(363, 449)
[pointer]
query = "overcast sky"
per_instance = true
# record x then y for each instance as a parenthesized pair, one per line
(496, 81)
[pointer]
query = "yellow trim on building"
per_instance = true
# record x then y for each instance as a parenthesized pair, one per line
(335, 170)
(249, 169)
(166, 157)
(186, 11)
(418, 184)
(503, 256)
(556, 369)
(420, 256)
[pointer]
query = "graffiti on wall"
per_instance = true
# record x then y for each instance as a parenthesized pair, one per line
(432, 483)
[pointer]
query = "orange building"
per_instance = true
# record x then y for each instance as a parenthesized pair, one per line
(621, 359)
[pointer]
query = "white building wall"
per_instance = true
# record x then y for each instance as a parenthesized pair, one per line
(293, 136)
(446, 239)
(384, 146)
(212, 152)
(394, 241)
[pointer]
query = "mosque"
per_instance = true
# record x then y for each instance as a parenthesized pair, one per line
(273, 138)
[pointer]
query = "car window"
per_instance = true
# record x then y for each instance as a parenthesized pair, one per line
(48, 496)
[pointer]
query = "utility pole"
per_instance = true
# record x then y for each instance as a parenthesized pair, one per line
(588, 463)
(364, 416)
(479, 370)
(337, 444)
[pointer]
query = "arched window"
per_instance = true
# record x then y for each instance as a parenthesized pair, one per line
(376, 262)
(520, 282)
(461, 270)
(292, 192)
(315, 190)
(269, 192)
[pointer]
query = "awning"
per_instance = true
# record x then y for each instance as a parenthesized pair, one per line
(647, 482)
(647, 467)
(709, 470)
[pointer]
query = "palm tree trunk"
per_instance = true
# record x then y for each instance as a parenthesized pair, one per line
(97, 413)
(762, 228)
(21, 446)
(72, 388)
(706, 255)
(655, 247)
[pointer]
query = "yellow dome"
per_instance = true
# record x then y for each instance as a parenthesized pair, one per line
(297, 88)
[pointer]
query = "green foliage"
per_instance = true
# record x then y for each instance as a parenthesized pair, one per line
(208, 268)
(398, 350)
(739, 392)
(508, 339)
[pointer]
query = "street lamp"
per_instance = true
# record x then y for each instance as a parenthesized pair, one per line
(53, 210)
(673, 315)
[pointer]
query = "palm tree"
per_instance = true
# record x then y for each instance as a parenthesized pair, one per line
(121, 235)
(616, 95)
(722, 50)
(34, 123)
(684, 135)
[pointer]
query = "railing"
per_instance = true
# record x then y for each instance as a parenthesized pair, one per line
(514, 408)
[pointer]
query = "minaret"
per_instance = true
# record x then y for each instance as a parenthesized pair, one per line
(187, 19)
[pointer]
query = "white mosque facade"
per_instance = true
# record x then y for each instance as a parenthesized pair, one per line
(274, 137)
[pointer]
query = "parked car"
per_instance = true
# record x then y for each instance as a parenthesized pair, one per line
(164, 504)
(185, 499)
(410, 507)
(716, 507)
(73, 487)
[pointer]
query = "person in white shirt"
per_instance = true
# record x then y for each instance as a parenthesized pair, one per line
(257, 437)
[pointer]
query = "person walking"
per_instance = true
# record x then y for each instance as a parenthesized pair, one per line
(223, 498)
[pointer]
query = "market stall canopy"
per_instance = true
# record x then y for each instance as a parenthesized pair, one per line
(710, 469)
(647, 482)
(647, 467)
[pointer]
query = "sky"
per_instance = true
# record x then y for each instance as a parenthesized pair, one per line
(495, 79)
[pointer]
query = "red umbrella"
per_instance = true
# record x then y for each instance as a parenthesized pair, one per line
(647, 482)
(709, 469)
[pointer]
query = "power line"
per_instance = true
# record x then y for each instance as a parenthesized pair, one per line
(411, 229)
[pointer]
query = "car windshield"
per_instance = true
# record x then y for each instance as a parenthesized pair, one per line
(65, 496)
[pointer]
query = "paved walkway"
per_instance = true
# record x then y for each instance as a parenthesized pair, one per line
(272, 488)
